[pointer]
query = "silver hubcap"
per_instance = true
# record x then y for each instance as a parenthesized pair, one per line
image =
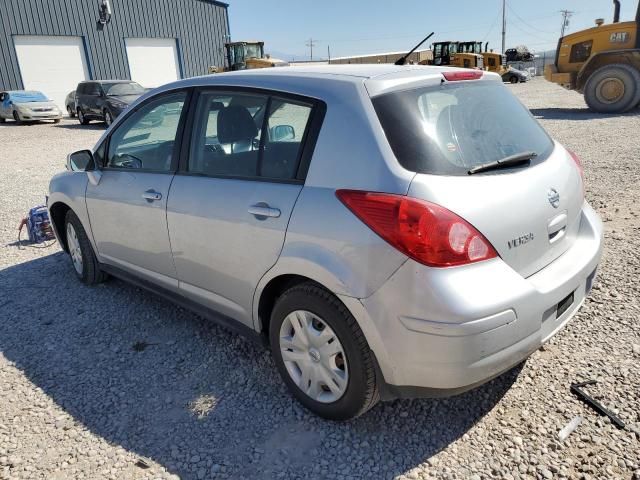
(80, 115)
(313, 356)
(107, 118)
(74, 248)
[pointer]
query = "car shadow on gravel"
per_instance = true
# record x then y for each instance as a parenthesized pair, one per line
(553, 113)
(79, 126)
(177, 390)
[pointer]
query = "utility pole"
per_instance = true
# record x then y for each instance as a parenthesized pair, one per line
(311, 43)
(328, 53)
(504, 24)
(566, 15)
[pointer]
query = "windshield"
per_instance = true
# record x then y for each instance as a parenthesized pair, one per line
(449, 129)
(117, 89)
(28, 96)
(253, 51)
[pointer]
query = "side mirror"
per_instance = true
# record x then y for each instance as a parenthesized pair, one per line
(81, 161)
(281, 133)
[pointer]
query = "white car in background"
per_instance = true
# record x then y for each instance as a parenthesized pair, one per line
(27, 106)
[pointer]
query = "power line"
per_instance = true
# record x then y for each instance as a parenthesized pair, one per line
(524, 22)
(311, 43)
(566, 15)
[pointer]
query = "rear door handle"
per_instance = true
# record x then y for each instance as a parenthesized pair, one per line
(152, 195)
(264, 210)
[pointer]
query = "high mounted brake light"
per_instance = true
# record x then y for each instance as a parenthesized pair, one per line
(424, 231)
(466, 75)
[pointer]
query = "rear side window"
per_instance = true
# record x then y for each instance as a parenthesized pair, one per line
(580, 52)
(449, 129)
(248, 135)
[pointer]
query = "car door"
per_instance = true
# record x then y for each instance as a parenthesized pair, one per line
(127, 207)
(230, 203)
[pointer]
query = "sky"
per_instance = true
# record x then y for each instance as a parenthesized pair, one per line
(354, 27)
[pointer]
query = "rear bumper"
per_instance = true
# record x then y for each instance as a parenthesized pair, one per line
(448, 330)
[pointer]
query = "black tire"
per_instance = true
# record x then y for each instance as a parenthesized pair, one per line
(2, 119)
(81, 118)
(16, 117)
(629, 78)
(57, 120)
(513, 79)
(91, 273)
(108, 118)
(70, 111)
(361, 392)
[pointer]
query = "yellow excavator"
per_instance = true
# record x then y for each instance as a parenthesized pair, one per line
(602, 62)
(247, 55)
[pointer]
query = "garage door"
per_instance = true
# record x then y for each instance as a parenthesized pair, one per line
(153, 61)
(53, 65)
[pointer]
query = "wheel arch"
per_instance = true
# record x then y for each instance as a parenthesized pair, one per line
(629, 57)
(58, 213)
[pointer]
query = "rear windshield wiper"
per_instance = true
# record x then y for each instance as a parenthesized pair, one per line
(510, 161)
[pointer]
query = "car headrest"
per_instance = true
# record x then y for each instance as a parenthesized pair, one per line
(235, 124)
(216, 106)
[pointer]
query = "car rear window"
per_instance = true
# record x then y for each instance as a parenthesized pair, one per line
(451, 128)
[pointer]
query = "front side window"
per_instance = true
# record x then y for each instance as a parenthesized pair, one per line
(145, 140)
(449, 129)
(93, 89)
(230, 139)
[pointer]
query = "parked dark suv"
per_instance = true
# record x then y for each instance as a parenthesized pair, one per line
(105, 99)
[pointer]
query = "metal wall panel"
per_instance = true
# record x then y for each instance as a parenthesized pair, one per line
(200, 27)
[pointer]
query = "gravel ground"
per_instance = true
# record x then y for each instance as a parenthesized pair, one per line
(113, 382)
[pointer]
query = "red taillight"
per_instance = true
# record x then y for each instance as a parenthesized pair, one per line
(465, 75)
(578, 163)
(426, 232)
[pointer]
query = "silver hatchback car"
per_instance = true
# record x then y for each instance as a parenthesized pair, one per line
(388, 231)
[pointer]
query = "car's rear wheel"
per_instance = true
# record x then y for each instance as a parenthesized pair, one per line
(2, 119)
(321, 353)
(81, 118)
(83, 259)
(108, 119)
(70, 111)
(16, 117)
(613, 89)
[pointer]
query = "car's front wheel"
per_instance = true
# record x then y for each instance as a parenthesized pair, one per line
(81, 118)
(70, 111)
(83, 259)
(16, 117)
(321, 353)
(108, 118)
(513, 79)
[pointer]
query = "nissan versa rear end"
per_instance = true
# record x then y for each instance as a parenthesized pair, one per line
(389, 231)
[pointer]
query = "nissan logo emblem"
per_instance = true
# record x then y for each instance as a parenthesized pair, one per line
(554, 198)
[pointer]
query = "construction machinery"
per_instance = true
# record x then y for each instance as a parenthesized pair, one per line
(449, 53)
(602, 62)
(247, 55)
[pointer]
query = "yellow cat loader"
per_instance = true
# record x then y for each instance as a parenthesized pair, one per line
(247, 55)
(603, 63)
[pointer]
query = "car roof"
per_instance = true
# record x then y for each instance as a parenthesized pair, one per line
(366, 71)
(310, 79)
(107, 81)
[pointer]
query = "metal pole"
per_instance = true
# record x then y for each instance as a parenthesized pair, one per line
(329, 53)
(504, 25)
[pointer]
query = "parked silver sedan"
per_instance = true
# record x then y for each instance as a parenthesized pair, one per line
(389, 231)
(27, 106)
